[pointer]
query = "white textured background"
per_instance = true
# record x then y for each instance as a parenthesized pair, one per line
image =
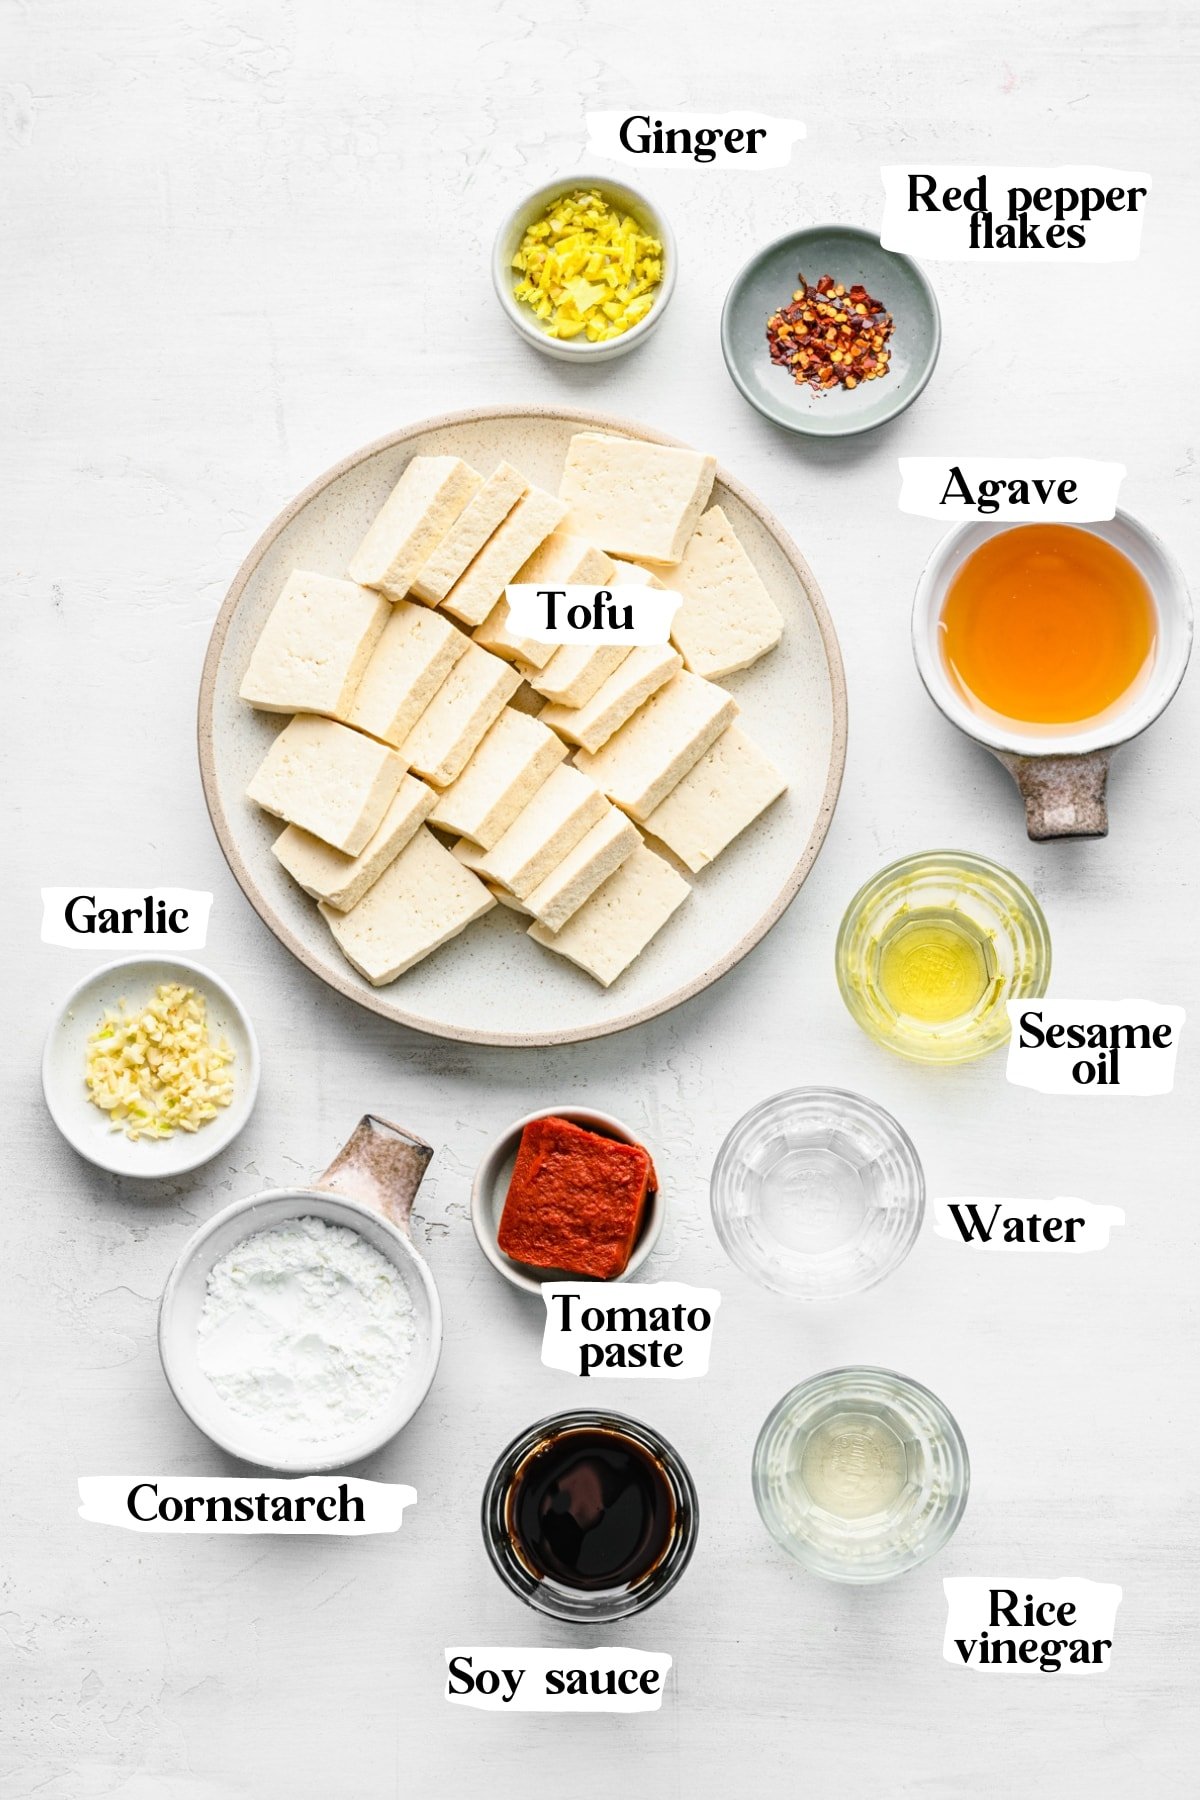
(242, 237)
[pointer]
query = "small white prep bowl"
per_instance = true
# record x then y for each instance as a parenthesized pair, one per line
(579, 350)
(183, 1301)
(64, 1061)
(1172, 604)
(490, 1187)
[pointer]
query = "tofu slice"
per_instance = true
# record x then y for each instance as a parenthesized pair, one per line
(468, 854)
(631, 573)
(488, 506)
(642, 672)
(564, 807)
(329, 780)
(598, 854)
(611, 929)
(341, 881)
(414, 655)
(562, 559)
(529, 523)
(507, 899)
(633, 498)
(641, 763)
(423, 899)
(728, 619)
(525, 700)
(313, 649)
(575, 671)
(471, 699)
(728, 788)
(516, 755)
(413, 520)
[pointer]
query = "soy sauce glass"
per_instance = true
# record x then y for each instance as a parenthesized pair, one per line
(551, 1593)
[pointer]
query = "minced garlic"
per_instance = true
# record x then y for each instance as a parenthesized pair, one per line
(154, 1069)
(587, 268)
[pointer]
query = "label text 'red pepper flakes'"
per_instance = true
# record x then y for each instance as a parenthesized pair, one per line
(831, 336)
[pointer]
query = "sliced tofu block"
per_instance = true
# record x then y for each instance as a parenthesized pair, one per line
(515, 757)
(728, 619)
(633, 498)
(423, 899)
(598, 854)
(313, 649)
(641, 763)
(328, 780)
(616, 924)
(413, 657)
(468, 854)
(341, 881)
(642, 672)
(575, 672)
(525, 700)
(561, 560)
(414, 519)
(507, 899)
(564, 807)
(488, 506)
(529, 523)
(633, 573)
(723, 793)
(471, 699)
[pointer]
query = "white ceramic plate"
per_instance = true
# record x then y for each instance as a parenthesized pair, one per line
(64, 1058)
(493, 984)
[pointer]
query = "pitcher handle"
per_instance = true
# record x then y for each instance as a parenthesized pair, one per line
(1064, 795)
(380, 1166)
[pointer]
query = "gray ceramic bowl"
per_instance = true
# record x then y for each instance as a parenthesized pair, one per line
(849, 255)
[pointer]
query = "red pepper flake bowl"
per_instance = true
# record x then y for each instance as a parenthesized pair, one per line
(490, 1190)
(852, 257)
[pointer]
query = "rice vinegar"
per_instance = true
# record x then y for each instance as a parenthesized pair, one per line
(853, 1465)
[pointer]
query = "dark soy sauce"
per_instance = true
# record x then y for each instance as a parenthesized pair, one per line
(590, 1509)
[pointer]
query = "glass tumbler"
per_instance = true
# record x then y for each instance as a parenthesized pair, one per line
(574, 1500)
(860, 1474)
(817, 1193)
(932, 949)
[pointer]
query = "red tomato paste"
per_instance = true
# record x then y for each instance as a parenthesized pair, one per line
(576, 1200)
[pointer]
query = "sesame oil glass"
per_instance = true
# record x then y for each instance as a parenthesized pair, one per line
(931, 950)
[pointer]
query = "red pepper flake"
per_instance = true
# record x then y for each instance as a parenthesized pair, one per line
(831, 335)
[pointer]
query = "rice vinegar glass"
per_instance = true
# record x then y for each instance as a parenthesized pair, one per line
(861, 1474)
(931, 950)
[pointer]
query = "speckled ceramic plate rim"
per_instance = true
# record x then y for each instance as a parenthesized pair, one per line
(376, 1000)
(795, 422)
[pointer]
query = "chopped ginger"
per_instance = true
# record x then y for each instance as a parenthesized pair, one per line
(154, 1069)
(586, 267)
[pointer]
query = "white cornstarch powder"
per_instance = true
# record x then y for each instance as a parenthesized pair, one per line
(304, 1329)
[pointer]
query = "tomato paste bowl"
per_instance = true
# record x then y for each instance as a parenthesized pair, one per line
(490, 1187)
